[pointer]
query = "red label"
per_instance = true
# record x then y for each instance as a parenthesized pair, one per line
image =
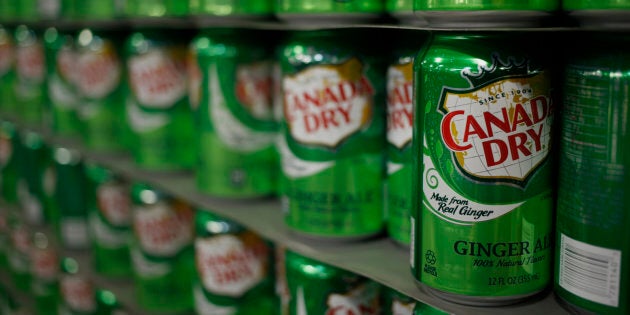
(30, 62)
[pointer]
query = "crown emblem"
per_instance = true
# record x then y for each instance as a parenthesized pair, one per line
(498, 69)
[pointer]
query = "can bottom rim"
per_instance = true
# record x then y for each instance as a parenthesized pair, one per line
(475, 300)
(484, 18)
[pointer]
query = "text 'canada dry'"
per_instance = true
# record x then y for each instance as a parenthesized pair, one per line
(482, 193)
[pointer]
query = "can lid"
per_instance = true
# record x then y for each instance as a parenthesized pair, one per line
(208, 223)
(144, 194)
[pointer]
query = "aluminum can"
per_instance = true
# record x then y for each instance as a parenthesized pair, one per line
(399, 133)
(100, 85)
(234, 267)
(396, 303)
(7, 71)
(19, 253)
(236, 129)
(482, 192)
(71, 198)
(78, 296)
(333, 135)
(10, 150)
(309, 11)
(162, 251)
(485, 13)
(109, 217)
(592, 272)
(61, 81)
(609, 14)
(30, 75)
(157, 103)
(44, 269)
(35, 187)
(319, 288)
(231, 8)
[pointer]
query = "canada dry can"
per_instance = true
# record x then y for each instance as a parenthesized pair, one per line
(100, 86)
(333, 135)
(30, 75)
(44, 268)
(157, 103)
(593, 242)
(162, 251)
(399, 133)
(9, 162)
(485, 13)
(77, 289)
(35, 188)
(231, 8)
(234, 268)
(319, 288)
(236, 129)
(300, 11)
(7, 71)
(396, 303)
(61, 71)
(600, 13)
(109, 217)
(71, 198)
(482, 201)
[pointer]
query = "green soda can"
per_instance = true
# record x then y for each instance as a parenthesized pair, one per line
(482, 201)
(309, 11)
(30, 71)
(399, 133)
(108, 303)
(44, 261)
(100, 84)
(109, 217)
(333, 136)
(485, 13)
(71, 198)
(600, 13)
(234, 267)
(396, 303)
(236, 127)
(7, 73)
(425, 309)
(61, 69)
(10, 149)
(157, 105)
(34, 185)
(592, 242)
(162, 251)
(78, 295)
(319, 288)
(19, 254)
(231, 8)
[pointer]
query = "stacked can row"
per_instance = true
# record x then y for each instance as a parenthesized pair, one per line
(442, 13)
(179, 258)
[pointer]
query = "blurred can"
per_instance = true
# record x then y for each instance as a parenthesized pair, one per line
(30, 71)
(485, 13)
(397, 303)
(162, 251)
(592, 265)
(319, 288)
(36, 183)
(333, 135)
(157, 103)
(10, 151)
(19, 253)
(109, 216)
(7, 71)
(100, 85)
(234, 267)
(44, 259)
(78, 295)
(61, 68)
(71, 198)
(236, 129)
(326, 11)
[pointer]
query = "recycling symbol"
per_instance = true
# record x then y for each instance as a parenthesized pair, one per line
(429, 256)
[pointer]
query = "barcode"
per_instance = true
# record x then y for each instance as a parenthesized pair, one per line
(590, 272)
